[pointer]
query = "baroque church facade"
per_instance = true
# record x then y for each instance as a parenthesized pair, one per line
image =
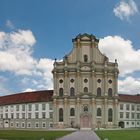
(85, 87)
(85, 95)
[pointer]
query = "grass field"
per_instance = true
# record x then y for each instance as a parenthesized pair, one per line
(31, 135)
(119, 134)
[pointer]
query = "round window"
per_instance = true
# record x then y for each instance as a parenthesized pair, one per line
(85, 80)
(110, 81)
(99, 80)
(60, 81)
(71, 80)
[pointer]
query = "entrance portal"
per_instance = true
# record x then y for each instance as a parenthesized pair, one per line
(6, 124)
(121, 124)
(85, 121)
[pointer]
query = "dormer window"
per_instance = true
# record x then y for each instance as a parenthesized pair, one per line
(85, 58)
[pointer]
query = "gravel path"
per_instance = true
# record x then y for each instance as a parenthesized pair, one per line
(81, 135)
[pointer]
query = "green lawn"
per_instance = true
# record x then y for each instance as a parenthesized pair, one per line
(31, 135)
(119, 134)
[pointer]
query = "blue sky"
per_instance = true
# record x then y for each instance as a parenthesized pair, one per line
(39, 31)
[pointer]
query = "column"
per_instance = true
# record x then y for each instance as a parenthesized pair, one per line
(65, 113)
(116, 84)
(94, 113)
(105, 113)
(105, 84)
(55, 82)
(115, 115)
(55, 115)
(66, 83)
(94, 87)
(78, 112)
(78, 82)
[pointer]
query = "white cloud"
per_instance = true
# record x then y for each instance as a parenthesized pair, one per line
(129, 85)
(29, 90)
(9, 24)
(46, 65)
(125, 9)
(115, 47)
(16, 50)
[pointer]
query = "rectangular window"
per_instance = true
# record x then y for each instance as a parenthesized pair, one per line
(12, 108)
(51, 115)
(43, 115)
(12, 124)
(29, 125)
(17, 124)
(50, 106)
(23, 115)
(12, 115)
(17, 115)
(6, 115)
(43, 125)
(36, 107)
(138, 107)
(6, 109)
(17, 107)
(121, 114)
(23, 107)
(23, 125)
(121, 106)
(132, 107)
(132, 123)
(133, 115)
(127, 115)
(29, 107)
(29, 115)
(44, 106)
(36, 125)
(36, 115)
(127, 106)
(138, 115)
(51, 125)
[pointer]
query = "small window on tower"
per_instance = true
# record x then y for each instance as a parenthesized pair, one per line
(85, 58)
(85, 108)
(85, 80)
(110, 81)
(99, 80)
(85, 89)
(60, 81)
(71, 80)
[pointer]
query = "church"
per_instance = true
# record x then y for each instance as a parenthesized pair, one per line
(85, 95)
(85, 87)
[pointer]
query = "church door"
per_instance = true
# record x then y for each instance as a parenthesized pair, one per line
(85, 121)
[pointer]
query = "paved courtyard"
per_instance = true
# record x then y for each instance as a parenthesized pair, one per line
(81, 135)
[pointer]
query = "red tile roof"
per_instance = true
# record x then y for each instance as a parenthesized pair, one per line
(129, 98)
(27, 97)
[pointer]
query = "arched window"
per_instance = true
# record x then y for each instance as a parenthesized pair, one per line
(86, 108)
(99, 113)
(85, 58)
(99, 92)
(61, 115)
(110, 115)
(72, 112)
(61, 92)
(85, 89)
(72, 91)
(110, 92)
